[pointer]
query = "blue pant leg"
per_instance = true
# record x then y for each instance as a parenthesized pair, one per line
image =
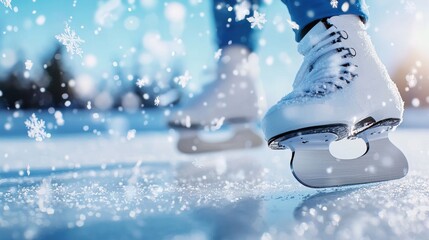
(306, 12)
(228, 30)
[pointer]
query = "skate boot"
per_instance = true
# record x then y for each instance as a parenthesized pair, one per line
(342, 90)
(224, 115)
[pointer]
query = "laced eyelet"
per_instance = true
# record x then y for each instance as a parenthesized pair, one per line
(352, 52)
(343, 34)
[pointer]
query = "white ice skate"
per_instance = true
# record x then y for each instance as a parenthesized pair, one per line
(342, 90)
(229, 104)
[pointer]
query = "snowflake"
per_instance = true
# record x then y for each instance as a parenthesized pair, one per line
(131, 134)
(334, 3)
(142, 82)
(218, 54)
(410, 7)
(28, 65)
(71, 41)
(36, 128)
(241, 10)
(411, 80)
(186, 122)
(293, 24)
(258, 20)
(183, 80)
(217, 123)
(6, 3)
(157, 101)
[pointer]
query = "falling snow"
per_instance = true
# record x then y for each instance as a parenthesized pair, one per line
(218, 54)
(410, 7)
(70, 39)
(6, 3)
(28, 65)
(293, 24)
(183, 80)
(141, 82)
(117, 170)
(131, 134)
(258, 20)
(157, 101)
(411, 80)
(242, 10)
(217, 123)
(36, 128)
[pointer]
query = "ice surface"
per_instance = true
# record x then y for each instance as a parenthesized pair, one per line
(109, 187)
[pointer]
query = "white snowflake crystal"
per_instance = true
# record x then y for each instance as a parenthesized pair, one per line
(36, 128)
(334, 3)
(131, 134)
(241, 10)
(411, 80)
(70, 39)
(410, 7)
(157, 101)
(217, 123)
(6, 3)
(142, 82)
(28, 65)
(258, 20)
(183, 80)
(293, 24)
(218, 54)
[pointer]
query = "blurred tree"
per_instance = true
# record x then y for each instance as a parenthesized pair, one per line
(57, 78)
(51, 89)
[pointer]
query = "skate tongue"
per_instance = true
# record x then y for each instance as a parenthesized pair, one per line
(344, 22)
(311, 38)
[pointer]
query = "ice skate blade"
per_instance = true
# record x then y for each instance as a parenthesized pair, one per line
(311, 137)
(191, 143)
(383, 161)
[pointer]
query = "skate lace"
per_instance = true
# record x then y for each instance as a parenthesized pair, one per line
(327, 64)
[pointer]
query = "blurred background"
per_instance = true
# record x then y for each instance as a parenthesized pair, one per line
(134, 51)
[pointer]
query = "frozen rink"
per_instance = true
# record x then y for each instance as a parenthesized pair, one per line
(77, 186)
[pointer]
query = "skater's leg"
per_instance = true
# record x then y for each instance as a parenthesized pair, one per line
(232, 29)
(307, 13)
